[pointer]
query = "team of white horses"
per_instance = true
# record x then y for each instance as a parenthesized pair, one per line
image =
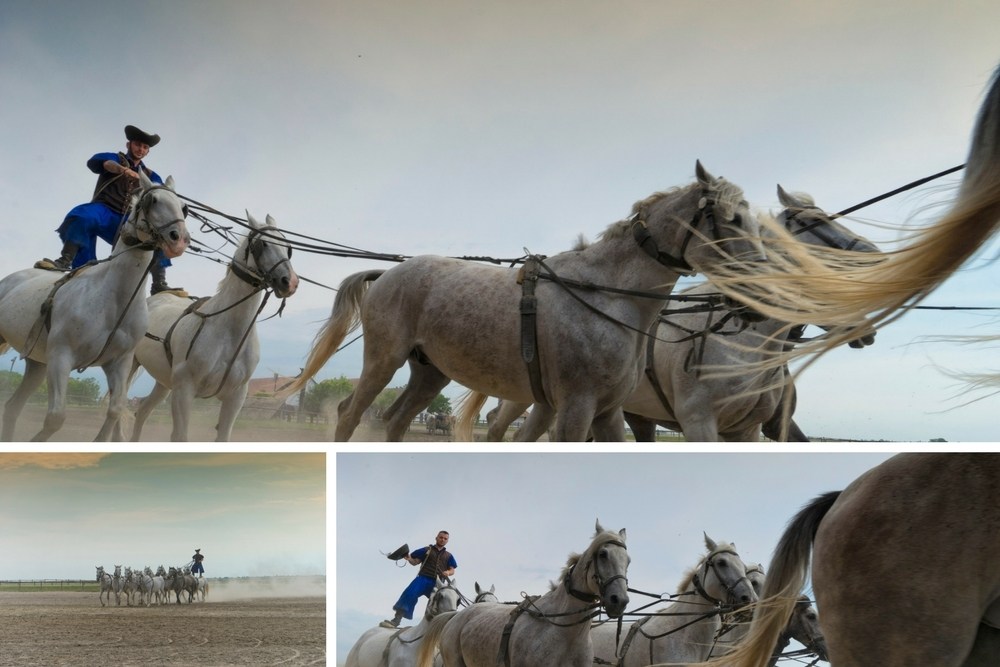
(146, 588)
(707, 616)
(96, 316)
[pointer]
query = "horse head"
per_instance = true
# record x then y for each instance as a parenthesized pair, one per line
(444, 597)
(483, 595)
(721, 576)
(156, 218)
(803, 627)
(264, 258)
(603, 576)
(809, 224)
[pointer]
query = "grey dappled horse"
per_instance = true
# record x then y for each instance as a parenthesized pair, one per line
(686, 629)
(209, 347)
(93, 316)
(904, 567)
(702, 376)
(392, 647)
(546, 630)
(453, 319)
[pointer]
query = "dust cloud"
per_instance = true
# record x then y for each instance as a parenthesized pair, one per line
(247, 588)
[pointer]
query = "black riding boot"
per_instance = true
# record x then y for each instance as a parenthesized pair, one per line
(65, 260)
(159, 273)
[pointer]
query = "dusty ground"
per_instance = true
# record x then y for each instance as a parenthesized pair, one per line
(83, 424)
(73, 629)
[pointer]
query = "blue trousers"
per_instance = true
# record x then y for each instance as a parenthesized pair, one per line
(421, 586)
(85, 223)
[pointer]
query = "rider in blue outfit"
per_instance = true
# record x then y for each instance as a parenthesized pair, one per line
(435, 561)
(197, 567)
(117, 178)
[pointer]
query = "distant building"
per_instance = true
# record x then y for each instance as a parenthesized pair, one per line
(265, 401)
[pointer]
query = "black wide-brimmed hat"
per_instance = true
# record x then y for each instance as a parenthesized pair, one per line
(132, 133)
(399, 553)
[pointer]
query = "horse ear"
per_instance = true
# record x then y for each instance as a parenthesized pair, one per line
(622, 533)
(704, 177)
(169, 183)
(270, 221)
(144, 180)
(709, 542)
(597, 527)
(790, 200)
(253, 222)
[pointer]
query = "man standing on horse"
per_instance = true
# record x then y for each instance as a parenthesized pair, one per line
(197, 567)
(117, 180)
(435, 561)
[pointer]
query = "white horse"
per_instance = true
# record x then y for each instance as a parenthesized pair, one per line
(566, 330)
(687, 629)
(209, 347)
(483, 595)
(202, 588)
(904, 567)
(118, 583)
(552, 629)
(107, 584)
(701, 375)
(388, 647)
(93, 316)
(156, 586)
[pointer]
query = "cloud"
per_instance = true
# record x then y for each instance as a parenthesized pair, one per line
(56, 461)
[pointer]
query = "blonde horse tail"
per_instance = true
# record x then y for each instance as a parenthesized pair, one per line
(786, 577)
(428, 647)
(469, 406)
(344, 319)
(801, 285)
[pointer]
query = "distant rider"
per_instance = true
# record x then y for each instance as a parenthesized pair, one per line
(198, 568)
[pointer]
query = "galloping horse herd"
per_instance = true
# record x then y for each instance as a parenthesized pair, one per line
(569, 334)
(146, 588)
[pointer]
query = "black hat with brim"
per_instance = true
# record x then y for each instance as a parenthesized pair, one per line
(399, 553)
(132, 133)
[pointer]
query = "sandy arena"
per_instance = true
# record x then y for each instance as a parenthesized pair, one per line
(229, 629)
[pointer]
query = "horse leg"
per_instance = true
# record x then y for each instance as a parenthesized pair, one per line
(145, 408)
(374, 378)
(643, 428)
(232, 403)
(505, 415)
(535, 424)
(181, 403)
(573, 422)
(425, 383)
(116, 372)
(34, 374)
(57, 376)
(609, 427)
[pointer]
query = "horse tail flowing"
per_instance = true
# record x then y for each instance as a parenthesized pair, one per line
(802, 285)
(469, 406)
(428, 647)
(786, 577)
(345, 318)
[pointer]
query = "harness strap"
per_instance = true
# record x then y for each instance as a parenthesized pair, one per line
(388, 645)
(44, 320)
(528, 278)
(503, 655)
(651, 375)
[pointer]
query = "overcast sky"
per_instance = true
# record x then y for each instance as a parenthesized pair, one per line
(487, 128)
(515, 518)
(63, 514)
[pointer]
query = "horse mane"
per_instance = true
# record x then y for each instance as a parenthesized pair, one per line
(687, 582)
